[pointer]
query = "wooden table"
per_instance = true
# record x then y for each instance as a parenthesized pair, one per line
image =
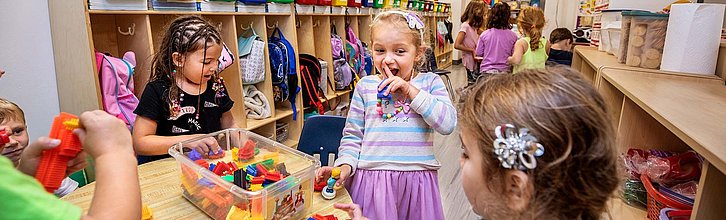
(161, 191)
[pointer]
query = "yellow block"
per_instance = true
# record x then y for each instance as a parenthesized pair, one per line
(146, 213)
(238, 214)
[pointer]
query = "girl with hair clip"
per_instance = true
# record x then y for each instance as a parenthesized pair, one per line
(386, 154)
(537, 145)
(185, 97)
(496, 43)
(530, 51)
(472, 24)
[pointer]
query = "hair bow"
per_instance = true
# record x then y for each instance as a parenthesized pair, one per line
(516, 150)
(403, 106)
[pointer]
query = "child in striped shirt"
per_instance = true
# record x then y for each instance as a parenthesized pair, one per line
(386, 155)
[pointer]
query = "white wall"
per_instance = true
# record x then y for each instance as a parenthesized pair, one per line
(457, 8)
(26, 54)
(560, 13)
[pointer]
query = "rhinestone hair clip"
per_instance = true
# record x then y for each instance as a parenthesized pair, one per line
(516, 148)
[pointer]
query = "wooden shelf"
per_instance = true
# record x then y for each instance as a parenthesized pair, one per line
(279, 114)
(618, 209)
(151, 12)
(290, 143)
(671, 99)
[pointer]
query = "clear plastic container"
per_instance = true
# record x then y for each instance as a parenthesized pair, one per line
(289, 198)
(646, 39)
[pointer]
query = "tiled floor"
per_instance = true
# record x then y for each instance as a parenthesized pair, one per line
(448, 151)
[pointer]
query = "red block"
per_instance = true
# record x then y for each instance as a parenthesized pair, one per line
(257, 180)
(232, 167)
(274, 177)
(54, 162)
(202, 162)
(221, 168)
(261, 170)
(247, 151)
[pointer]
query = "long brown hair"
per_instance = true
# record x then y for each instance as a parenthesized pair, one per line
(578, 172)
(531, 20)
(498, 16)
(474, 14)
(184, 35)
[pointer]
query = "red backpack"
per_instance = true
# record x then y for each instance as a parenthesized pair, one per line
(116, 80)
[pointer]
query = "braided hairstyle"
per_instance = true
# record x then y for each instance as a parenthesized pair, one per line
(184, 35)
(531, 21)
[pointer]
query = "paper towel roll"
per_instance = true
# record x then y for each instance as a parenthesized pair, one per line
(693, 37)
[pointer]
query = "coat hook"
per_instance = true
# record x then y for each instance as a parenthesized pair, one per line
(130, 31)
(317, 23)
(273, 26)
(246, 28)
(298, 24)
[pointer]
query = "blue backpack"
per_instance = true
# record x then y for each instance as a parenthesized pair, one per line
(283, 68)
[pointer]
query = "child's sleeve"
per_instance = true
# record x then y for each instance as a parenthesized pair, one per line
(435, 106)
(24, 198)
(479, 52)
(350, 144)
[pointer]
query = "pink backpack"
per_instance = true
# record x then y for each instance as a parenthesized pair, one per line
(117, 86)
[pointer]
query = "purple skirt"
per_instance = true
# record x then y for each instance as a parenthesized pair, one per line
(385, 194)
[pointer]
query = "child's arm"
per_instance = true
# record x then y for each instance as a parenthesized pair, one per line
(350, 144)
(227, 120)
(435, 107)
(519, 48)
(459, 43)
(117, 194)
(146, 142)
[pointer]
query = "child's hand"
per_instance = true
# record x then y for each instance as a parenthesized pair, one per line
(353, 210)
(323, 173)
(31, 157)
(205, 145)
(397, 84)
(102, 134)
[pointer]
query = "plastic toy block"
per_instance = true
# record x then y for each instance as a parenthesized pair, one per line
(257, 180)
(255, 187)
(232, 166)
(228, 178)
(247, 151)
(235, 152)
(194, 155)
(319, 186)
(380, 93)
(274, 156)
(251, 170)
(4, 138)
(217, 155)
(269, 164)
(202, 162)
(261, 170)
(274, 177)
(216, 199)
(324, 217)
(146, 213)
(220, 168)
(237, 213)
(205, 182)
(239, 179)
(282, 169)
(54, 162)
(211, 167)
(248, 177)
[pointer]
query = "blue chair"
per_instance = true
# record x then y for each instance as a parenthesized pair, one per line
(321, 135)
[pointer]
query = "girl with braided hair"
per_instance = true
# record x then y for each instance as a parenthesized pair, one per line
(185, 97)
(529, 51)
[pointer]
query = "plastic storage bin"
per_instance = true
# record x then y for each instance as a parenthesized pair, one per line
(377, 3)
(281, 131)
(340, 3)
(354, 3)
(288, 198)
(646, 40)
(622, 52)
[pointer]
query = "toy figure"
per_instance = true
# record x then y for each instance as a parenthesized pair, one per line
(329, 191)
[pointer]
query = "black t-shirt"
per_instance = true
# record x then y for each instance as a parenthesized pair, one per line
(154, 104)
(560, 56)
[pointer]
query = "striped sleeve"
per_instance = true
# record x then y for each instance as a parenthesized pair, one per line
(350, 144)
(435, 106)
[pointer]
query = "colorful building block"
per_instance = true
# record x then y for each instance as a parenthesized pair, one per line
(202, 162)
(274, 177)
(54, 162)
(274, 156)
(255, 187)
(247, 151)
(239, 180)
(261, 170)
(235, 152)
(146, 213)
(251, 170)
(257, 180)
(216, 155)
(194, 155)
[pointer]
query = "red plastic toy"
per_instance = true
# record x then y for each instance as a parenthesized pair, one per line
(247, 151)
(320, 186)
(323, 217)
(4, 137)
(54, 162)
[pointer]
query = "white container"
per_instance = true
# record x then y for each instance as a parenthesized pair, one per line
(614, 38)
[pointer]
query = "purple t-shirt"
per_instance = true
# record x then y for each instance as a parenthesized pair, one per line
(495, 46)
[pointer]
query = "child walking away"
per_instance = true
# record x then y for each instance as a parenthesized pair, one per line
(556, 126)
(561, 46)
(386, 154)
(529, 51)
(13, 118)
(185, 97)
(472, 23)
(497, 42)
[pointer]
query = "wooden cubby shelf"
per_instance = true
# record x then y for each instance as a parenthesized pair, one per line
(662, 110)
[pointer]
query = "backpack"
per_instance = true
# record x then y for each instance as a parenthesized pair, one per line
(368, 60)
(354, 53)
(251, 51)
(310, 74)
(116, 80)
(283, 68)
(342, 71)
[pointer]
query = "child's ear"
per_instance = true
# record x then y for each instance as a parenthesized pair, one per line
(518, 190)
(178, 59)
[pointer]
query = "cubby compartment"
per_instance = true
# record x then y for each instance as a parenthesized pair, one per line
(267, 131)
(305, 33)
(117, 34)
(258, 25)
(323, 49)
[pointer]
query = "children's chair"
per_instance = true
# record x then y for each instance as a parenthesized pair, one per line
(321, 136)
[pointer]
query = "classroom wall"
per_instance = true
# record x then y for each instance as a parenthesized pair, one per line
(560, 13)
(26, 54)
(457, 8)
